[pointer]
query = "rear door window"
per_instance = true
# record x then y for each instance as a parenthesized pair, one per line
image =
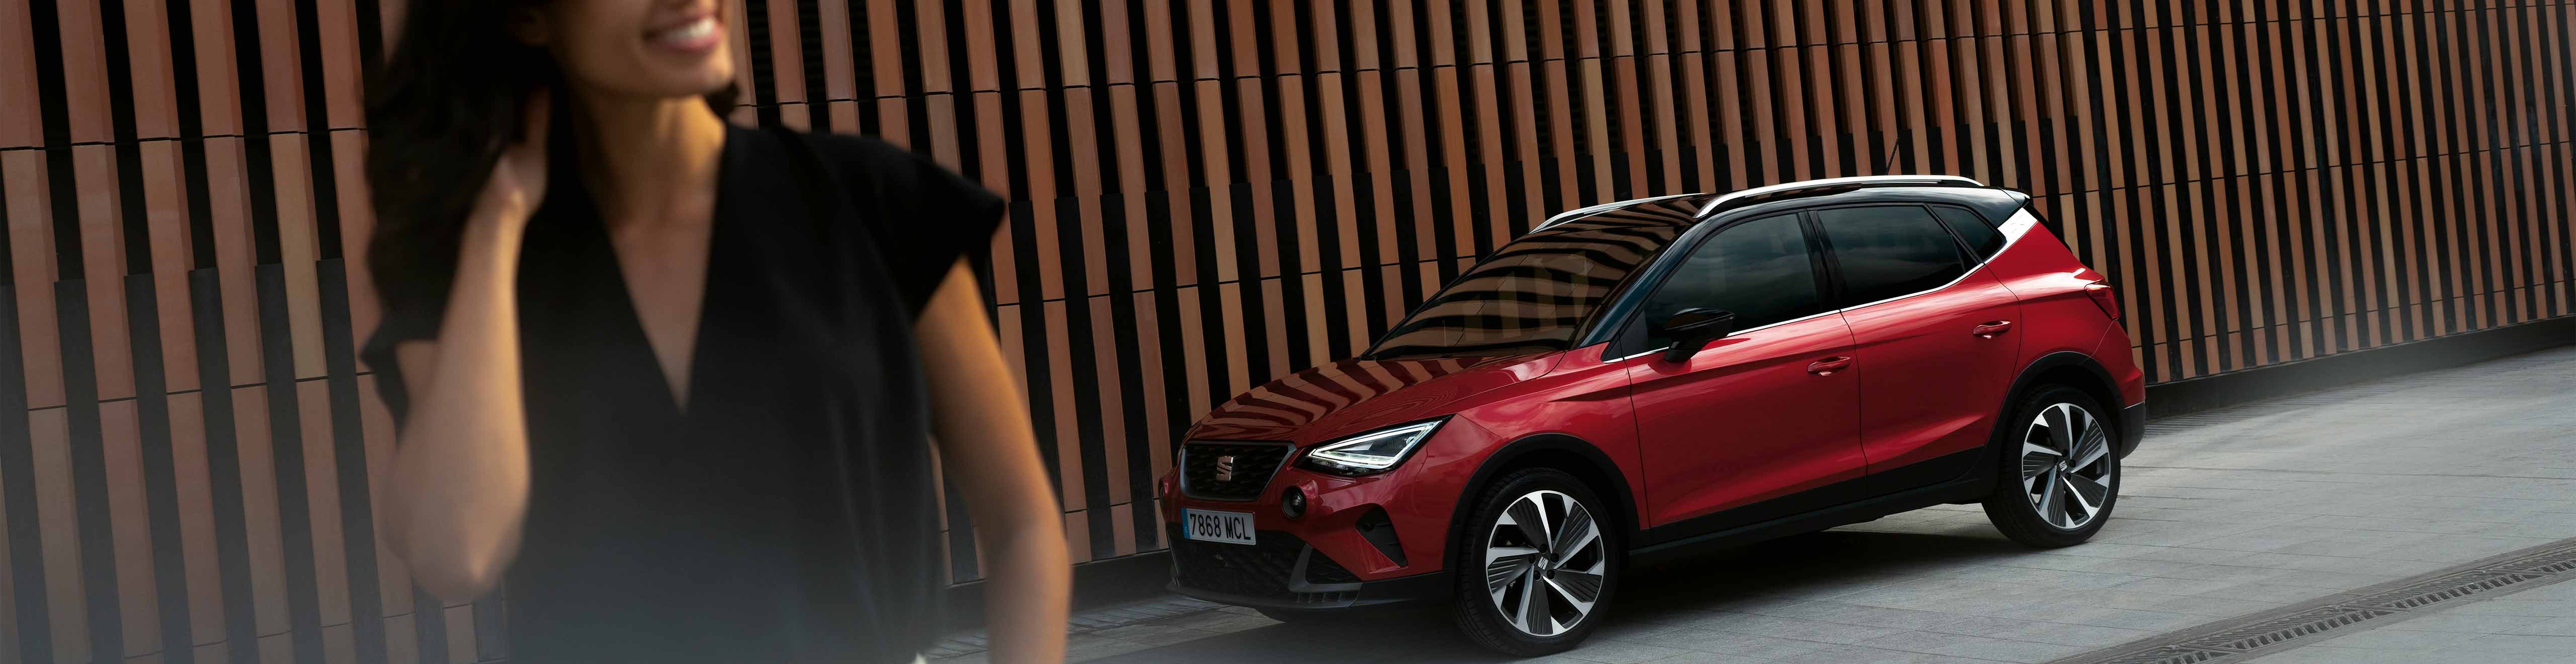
(1888, 251)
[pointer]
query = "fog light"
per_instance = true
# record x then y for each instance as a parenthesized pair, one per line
(1292, 503)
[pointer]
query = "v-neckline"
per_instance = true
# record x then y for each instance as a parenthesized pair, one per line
(680, 398)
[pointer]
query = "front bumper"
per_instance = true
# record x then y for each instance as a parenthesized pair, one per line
(1282, 571)
(1360, 542)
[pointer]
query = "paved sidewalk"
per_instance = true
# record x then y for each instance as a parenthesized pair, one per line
(2221, 514)
(2537, 625)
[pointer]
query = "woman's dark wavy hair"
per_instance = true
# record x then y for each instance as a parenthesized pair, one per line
(439, 112)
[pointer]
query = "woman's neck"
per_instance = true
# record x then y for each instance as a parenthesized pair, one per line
(641, 157)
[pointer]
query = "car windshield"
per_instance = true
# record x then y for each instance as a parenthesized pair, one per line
(1534, 293)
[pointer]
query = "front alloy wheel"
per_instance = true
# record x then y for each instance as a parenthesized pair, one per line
(1543, 563)
(1548, 564)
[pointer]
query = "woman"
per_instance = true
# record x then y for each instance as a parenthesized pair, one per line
(670, 381)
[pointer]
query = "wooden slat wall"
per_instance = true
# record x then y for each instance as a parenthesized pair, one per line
(1205, 195)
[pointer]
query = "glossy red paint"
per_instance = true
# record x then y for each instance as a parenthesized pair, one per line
(1745, 420)
(1962, 338)
(1527, 395)
(2059, 310)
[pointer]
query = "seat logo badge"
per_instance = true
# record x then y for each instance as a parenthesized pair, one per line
(1225, 468)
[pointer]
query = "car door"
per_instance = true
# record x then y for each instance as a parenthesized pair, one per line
(1764, 413)
(1932, 335)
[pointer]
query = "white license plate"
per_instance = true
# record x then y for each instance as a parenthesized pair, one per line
(1207, 526)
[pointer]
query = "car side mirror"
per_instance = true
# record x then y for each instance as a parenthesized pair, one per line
(1692, 329)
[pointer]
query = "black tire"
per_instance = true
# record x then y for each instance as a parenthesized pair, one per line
(1475, 607)
(2012, 507)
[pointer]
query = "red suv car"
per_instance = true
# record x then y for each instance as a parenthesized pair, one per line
(1655, 375)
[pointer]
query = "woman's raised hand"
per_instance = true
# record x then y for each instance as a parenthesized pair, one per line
(518, 181)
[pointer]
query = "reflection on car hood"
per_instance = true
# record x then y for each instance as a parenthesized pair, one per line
(1352, 396)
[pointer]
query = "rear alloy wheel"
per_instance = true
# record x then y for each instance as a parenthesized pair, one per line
(2061, 478)
(1547, 565)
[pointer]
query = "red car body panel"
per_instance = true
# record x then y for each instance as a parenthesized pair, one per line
(1906, 347)
(1344, 398)
(1744, 420)
(2059, 315)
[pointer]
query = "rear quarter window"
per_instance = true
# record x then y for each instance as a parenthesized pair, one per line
(1979, 234)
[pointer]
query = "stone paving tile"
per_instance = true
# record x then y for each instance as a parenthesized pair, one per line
(1732, 643)
(1801, 629)
(1708, 658)
(1612, 651)
(1621, 629)
(2082, 613)
(2057, 633)
(2220, 514)
(1159, 635)
(1088, 647)
(1979, 647)
(1857, 614)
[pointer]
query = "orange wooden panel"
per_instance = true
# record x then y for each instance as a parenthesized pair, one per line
(261, 520)
(321, 484)
(8, 590)
(166, 214)
(24, 179)
(1067, 436)
(58, 530)
(228, 186)
(130, 524)
(103, 268)
(147, 40)
(84, 75)
(336, 26)
(21, 124)
(218, 85)
(196, 516)
(296, 241)
(281, 66)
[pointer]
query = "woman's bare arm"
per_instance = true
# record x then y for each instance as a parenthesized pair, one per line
(459, 481)
(986, 444)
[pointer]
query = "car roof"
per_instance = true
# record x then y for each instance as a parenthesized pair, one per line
(1995, 204)
(1682, 210)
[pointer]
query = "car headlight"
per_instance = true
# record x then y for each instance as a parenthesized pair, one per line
(1372, 452)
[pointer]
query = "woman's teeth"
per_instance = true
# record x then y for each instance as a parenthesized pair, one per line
(688, 32)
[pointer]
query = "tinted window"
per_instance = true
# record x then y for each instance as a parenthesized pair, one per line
(1759, 269)
(1888, 251)
(1973, 229)
(1534, 293)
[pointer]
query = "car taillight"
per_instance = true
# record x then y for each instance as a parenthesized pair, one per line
(2105, 298)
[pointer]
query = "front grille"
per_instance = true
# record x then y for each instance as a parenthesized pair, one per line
(1251, 465)
(1260, 570)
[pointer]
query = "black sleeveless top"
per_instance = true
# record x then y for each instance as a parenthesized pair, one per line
(787, 514)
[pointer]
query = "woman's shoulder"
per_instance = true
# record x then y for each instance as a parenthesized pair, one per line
(853, 158)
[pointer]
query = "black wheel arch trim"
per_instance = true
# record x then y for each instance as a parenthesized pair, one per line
(1622, 499)
(2130, 419)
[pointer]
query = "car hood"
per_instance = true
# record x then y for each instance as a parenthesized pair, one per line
(1353, 396)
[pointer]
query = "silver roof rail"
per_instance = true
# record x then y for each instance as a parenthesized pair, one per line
(1865, 180)
(1604, 207)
